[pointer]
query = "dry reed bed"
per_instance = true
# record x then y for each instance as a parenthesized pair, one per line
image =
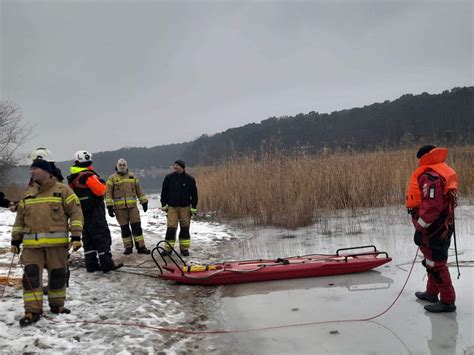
(287, 190)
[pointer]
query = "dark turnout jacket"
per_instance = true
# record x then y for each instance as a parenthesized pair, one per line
(179, 190)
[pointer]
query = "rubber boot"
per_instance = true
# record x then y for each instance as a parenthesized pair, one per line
(440, 307)
(165, 253)
(60, 310)
(427, 297)
(29, 319)
(128, 251)
(113, 267)
(143, 250)
(93, 268)
(185, 252)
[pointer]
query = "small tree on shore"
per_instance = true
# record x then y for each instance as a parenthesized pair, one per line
(13, 133)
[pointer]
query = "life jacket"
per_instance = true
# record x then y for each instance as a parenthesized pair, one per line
(77, 182)
(434, 160)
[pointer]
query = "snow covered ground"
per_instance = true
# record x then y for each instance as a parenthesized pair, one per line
(118, 297)
(142, 299)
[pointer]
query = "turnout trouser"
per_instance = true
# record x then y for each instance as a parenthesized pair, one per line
(34, 260)
(181, 216)
(96, 239)
(131, 227)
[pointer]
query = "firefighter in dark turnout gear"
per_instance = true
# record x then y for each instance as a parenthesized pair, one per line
(123, 189)
(90, 189)
(431, 199)
(179, 198)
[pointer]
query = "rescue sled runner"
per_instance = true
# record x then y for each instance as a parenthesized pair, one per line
(344, 261)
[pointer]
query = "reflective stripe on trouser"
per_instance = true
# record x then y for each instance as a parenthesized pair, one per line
(184, 238)
(170, 238)
(34, 260)
(126, 236)
(181, 216)
(38, 240)
(138, 234)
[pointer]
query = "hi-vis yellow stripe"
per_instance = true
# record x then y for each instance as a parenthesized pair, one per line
(45, 241)
(138, 238)
(39, 239)
(184, 242)
(56, 294)
(33, 296)
(76, 223)
(49, 199)
(123, 181)
(72, 198)
(122, 202)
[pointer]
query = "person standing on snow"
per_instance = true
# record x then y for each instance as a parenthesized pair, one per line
(431, 200)
(90, 189)
(123, 188)
(47, 213)
(179, 198)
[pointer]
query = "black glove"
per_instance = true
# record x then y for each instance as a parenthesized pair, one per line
(145, 206)
(111, 211)
(411, 211)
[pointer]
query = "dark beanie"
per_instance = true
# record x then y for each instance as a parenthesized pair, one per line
(180, 163)
(424, 150)
(42, 164)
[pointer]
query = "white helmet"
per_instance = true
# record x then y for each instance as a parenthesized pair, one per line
(41, 153)
(82, 156)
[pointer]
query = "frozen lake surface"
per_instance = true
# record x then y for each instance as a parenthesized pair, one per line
(143, 299)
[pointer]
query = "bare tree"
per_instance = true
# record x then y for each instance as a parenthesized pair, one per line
(13, 133)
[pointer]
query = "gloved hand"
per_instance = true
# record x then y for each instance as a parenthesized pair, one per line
(194, 211)
(411, 211)
(15, 248)
(111, 211)
(164, 208)
(75, 243)
(145, 206)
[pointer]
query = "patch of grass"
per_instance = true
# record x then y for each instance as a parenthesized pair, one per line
(287, 191)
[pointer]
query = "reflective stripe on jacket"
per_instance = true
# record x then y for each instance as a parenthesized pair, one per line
(123, 191)
(46, 215)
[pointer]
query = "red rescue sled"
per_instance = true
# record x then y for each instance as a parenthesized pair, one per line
(342, 262)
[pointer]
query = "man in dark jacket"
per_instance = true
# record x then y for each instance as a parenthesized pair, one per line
(90, 190)
(179, 198)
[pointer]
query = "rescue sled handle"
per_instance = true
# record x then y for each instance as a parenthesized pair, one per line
(361, 247)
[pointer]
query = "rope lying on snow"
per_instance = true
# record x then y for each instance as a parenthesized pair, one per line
(224, 331)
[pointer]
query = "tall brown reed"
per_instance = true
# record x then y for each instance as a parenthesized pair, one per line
(287, 191)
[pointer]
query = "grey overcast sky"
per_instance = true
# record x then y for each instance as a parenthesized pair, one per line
(100, 75)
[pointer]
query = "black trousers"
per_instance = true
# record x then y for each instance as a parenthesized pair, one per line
(96, 238)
